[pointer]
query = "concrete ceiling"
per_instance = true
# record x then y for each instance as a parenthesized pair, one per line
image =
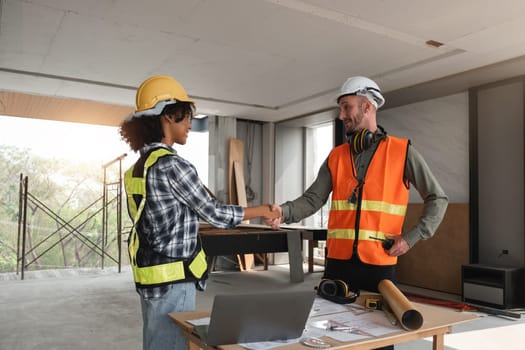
(267, 60)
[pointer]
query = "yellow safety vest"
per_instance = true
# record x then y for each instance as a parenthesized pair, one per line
(173, 270)
(380, 208)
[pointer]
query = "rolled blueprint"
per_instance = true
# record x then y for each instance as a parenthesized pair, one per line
(405, 312)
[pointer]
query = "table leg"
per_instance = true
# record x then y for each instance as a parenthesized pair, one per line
(311, 245)
(439, 342)
(295, 256)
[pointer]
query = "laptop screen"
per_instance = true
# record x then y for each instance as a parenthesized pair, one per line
(244, 318)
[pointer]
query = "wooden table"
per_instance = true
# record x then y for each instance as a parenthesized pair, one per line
(251, 239)
(437, 322)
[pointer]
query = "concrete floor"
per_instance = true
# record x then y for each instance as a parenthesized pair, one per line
(99, 309)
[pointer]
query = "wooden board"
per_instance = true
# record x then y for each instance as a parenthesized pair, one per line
(237, 190)
(436, 263)
(240, 185)
(236, 154)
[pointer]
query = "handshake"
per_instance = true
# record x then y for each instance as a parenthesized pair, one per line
(271, 214)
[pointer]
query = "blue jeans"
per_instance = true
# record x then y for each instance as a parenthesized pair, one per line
(159, 331)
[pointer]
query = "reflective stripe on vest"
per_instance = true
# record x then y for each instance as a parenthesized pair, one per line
(381, 210)
(162, 273)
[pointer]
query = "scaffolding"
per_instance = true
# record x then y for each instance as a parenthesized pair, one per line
(111, 193)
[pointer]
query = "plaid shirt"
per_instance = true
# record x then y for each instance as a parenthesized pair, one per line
(175, 201)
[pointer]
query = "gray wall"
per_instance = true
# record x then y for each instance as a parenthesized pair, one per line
(438, 129)
(251, 134)
(221, 129)
(500, 174)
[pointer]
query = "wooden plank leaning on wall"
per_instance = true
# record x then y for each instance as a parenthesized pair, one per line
(237, 190)
(436, 263)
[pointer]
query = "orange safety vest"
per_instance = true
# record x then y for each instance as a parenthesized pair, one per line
(380, 206)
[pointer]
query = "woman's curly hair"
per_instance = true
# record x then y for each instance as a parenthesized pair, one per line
(138, 132)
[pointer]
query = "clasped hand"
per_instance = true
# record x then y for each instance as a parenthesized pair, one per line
(276, 218)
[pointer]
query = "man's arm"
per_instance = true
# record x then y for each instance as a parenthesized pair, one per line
(434, 198)
(311, 200)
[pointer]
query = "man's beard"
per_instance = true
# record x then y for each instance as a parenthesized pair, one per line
(353, 127)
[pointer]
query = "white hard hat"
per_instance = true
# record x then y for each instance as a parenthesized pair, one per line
(362, 86)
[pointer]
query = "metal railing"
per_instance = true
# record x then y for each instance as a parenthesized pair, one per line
(111, 194)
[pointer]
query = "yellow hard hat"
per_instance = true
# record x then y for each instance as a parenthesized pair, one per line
(156, 92)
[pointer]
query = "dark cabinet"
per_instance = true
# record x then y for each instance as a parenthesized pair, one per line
(500, 287)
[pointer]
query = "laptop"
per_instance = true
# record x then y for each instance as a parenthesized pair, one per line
(246, 318)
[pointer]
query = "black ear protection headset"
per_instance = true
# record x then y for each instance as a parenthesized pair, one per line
(362, 140)
(337, 291)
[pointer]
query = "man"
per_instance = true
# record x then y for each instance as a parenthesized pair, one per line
(369, 179)
(166, 199)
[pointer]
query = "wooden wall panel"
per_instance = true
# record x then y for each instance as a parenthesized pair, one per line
(62, 109)
(436, 263)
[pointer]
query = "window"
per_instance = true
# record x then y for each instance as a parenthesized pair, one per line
(319, 143)
(196, 152)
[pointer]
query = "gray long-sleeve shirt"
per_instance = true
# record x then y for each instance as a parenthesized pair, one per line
(417, 173)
